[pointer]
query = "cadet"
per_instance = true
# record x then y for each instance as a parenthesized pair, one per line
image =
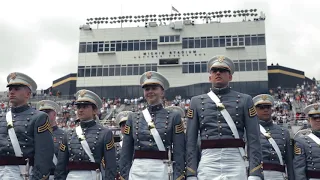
(26, 138)
(222, 125)
(150, 134)
(52, 109)
(121, 120)
(306, 162)
(276, 145)
(80, 155)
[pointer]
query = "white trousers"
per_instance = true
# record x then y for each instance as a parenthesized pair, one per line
(82, 175)
(273, 175)
(148, 169)
(221, 164)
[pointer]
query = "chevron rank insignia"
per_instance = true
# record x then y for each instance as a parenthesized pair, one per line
(110, 145)
(179, 128)
(46, 126)
(190, 113)
(127, 129)
(252, 111)
(62, 147)
(297, 150)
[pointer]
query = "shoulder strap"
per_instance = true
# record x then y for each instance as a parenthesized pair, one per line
(153, 130)
(86, 148)
(273, 143)
(314, 138)
(228, 119)
(84, 143)
(15, 142)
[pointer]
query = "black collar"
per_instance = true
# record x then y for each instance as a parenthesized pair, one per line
(224, 90)
(19, 109)
(266, 123)
(87, 124)
(153, 108)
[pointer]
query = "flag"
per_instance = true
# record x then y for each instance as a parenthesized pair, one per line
(174, 9)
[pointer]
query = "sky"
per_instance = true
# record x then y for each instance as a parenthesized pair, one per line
(40, 38)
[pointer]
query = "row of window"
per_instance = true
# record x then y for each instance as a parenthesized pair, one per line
(115, 70)
(174, 38)
(223, 41)
(187, 43)
(240, 65)
(112, 46)
(187, 67)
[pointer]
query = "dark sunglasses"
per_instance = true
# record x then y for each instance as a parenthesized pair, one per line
(262, 107)
(221, 70)
(84, 106)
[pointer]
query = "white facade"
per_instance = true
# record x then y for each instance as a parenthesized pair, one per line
(174, 73)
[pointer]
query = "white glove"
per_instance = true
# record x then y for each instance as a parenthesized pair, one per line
(254, 178)
(192, 178)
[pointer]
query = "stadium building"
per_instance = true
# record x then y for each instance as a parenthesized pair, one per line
(178, 46)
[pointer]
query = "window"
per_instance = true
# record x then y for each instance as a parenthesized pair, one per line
(247, 40)
(100, 46)
(166, 39)
(241, 40)
(95, 47)
(142, 69)
(154, 67)
(124, 46)
(209, 42)
(248, 65)
(148, 44)
(236, 65)
(117, 70)
(111, 70)
(203, 42)
(177, 38)
(93, 71)
(89, 46)
(254, 40)
(171, 39)
(142, 45)
(136, 45)
(82, 47)
(191, 67)
(242, 65)
(80, 71)
(136, 69)
(222, 41)
(197, 67)
(185, 67)
(161, 39)
(234, 41)
(255, 65)
(191, 42)
(118, 45)
(216, 42)
(168, 61)
(123, 70)
(204, 66)
(130, 45)
(228, 41)
(99, 70)
(129, 69)
(106, 46)
(184, 43)
(87, 71)
(261, 39)
(197, 42)
(105, 71)
(154, 44)
(262, 64)
(148, 67)
(112, 46)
